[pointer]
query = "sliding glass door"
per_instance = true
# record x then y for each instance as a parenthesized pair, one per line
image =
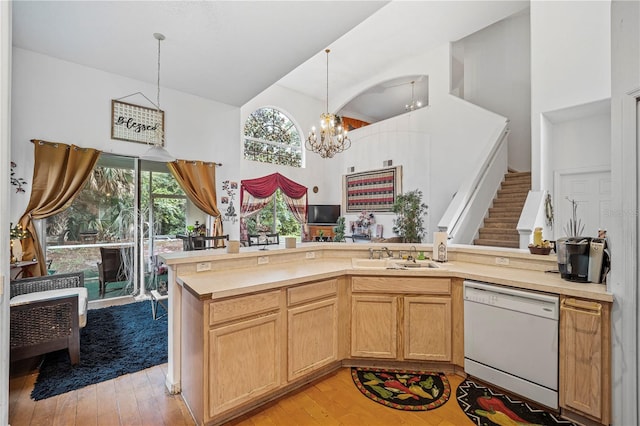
(129, 212)
(97, 233)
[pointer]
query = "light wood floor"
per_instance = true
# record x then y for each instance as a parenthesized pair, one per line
(141, 399)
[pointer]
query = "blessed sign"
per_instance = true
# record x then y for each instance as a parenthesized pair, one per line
(136, 123)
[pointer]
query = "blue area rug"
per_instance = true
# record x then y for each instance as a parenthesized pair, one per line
(116, 340)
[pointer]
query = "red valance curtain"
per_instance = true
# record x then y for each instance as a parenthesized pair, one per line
(256, 193)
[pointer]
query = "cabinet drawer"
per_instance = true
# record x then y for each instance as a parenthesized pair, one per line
(243, 306)
(314, 291)
(401, 285)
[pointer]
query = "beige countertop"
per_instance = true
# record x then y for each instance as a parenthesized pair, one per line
(234, 282)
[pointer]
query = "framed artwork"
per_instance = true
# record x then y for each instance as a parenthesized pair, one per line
(135, 123)
(374, 191)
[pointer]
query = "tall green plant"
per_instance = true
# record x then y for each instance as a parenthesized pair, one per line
(411, 211)
(338, 235)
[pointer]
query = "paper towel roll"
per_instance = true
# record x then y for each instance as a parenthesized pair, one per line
(290, 242)
(440, 246)
(233, 246)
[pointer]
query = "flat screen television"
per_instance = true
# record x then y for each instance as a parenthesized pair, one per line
(323, 213)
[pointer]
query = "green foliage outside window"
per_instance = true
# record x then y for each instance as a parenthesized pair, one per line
(105, 207)
(285, 223)
(271, 137)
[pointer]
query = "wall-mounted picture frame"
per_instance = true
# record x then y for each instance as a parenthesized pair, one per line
(373, 191)
(135, 123)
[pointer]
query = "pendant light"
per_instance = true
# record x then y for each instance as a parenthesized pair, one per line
(157, 152)
(333, 137)
(414, 104)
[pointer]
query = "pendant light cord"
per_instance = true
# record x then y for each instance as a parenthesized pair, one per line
(158, 95)
(327, 79)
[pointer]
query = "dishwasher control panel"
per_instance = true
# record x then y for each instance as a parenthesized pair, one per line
(543, 305)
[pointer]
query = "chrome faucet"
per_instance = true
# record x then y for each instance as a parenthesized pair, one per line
(386, 250)
(370, 253)
(412, 254)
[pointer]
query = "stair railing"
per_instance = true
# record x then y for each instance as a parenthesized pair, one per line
(466, 212)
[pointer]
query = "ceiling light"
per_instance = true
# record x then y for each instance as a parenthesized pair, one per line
(157, 152)
(414, 104)
(333, 137)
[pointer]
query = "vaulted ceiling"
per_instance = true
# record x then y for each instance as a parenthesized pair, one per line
(230, 51)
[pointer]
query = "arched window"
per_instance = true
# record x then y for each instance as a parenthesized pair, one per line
(271, 137)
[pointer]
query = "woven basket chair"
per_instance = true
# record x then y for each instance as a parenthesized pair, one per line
(48, 325)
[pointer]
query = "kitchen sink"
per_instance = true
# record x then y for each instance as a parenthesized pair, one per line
(390, 263)
(371, 263)
(417, 264)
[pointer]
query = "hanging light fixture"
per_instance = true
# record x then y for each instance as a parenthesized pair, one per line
(157, 152)
(333, 137)
(414, 104)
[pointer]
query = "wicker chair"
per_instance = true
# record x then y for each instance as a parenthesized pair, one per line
(43, 319)
(112, 268)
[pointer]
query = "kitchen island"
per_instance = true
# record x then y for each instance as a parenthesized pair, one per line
(247, 328)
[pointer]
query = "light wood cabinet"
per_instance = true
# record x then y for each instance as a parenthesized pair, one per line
(244, 361)
(427, 328)
(374, 325)
(401, 326)
(585, 342)
(312, 327)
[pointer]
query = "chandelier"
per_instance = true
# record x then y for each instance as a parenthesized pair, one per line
(157, 151)
(333, 137)
(414, 104)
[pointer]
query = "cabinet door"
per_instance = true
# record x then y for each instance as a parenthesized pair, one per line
(313, 337)
(374, 322)
(244, 361)
(427, 328)
(583, 357)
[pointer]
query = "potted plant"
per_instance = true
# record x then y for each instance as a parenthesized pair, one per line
(410, 210)
(339, 230)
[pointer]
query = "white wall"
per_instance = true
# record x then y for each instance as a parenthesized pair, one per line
(497, 76)
(570, 65)
(5, 99)
(624, 225)
(428, 142)
(582, 142)
(64, 102)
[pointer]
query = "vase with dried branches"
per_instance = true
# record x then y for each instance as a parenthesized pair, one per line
(574, 227)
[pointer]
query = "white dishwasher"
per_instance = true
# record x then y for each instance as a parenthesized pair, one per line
(511, 340)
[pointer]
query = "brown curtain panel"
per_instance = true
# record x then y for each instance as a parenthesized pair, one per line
(59, 173)
(198, 180)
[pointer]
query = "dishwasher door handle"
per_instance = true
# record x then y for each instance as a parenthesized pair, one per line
(589, 308)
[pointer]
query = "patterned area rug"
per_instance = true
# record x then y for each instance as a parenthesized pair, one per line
(486, 407)
(403, 389)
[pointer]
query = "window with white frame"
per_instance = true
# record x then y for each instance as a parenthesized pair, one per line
(271, 137)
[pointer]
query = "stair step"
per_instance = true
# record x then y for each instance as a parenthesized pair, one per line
(504, 211)
(520, 190)
(509, 202)
(516, 184)
(500, 223)
(518, 175)
(496, 243)
(511, 232)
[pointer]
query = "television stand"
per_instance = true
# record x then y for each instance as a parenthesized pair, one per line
(327, 231)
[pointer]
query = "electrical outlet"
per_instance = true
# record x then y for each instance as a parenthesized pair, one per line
(203, 266)
(263, 260)
(311, 255)
(502, 260)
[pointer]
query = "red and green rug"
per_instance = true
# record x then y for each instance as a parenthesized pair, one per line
(403, 389)
(487, 407)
